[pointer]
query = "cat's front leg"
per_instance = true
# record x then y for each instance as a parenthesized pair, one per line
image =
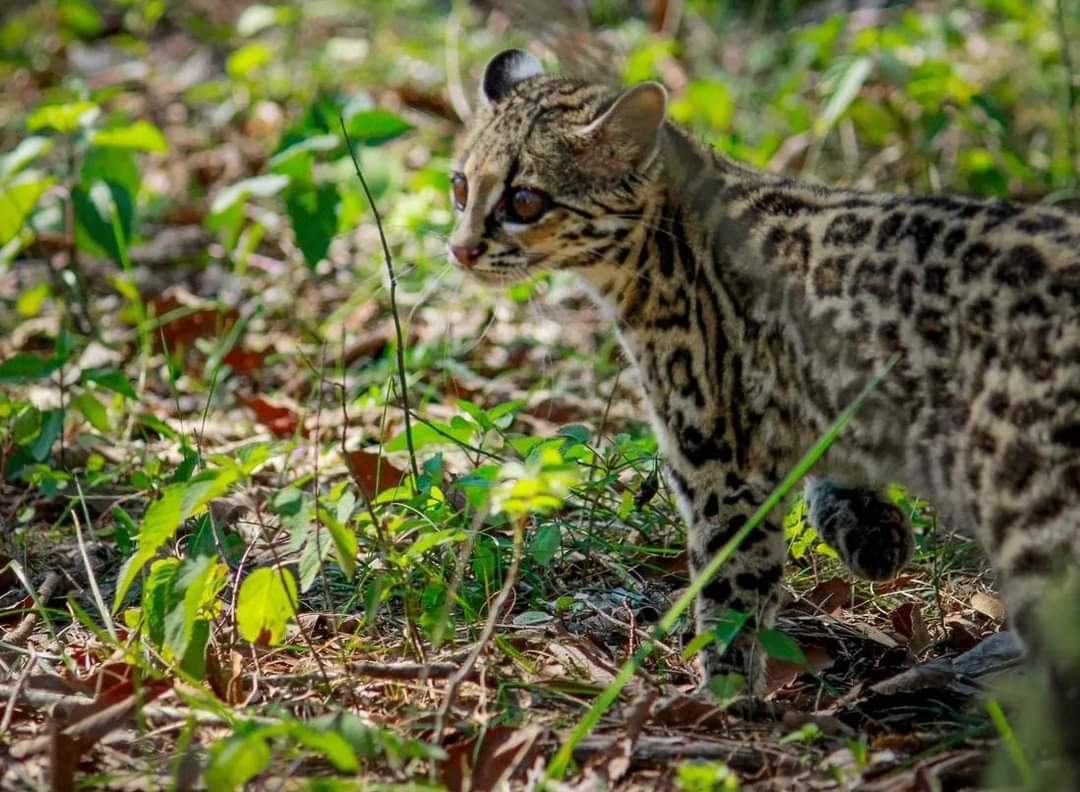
(747, 585)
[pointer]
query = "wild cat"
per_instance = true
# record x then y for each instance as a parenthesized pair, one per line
(755, 307)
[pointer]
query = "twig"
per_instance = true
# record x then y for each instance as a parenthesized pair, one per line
(485, 635)
(393, 305)
(748, 757)
(419, 671)
(45, 593)
(20, 683)
(41, 698)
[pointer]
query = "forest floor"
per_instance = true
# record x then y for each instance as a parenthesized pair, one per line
(219, 569)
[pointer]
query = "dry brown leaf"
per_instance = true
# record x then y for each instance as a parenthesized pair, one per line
(373, 473)
(988, 606)
(194, 320)
(960, 634)
(280, 420)
(75, 728)
(490, 761)
(831, 595)
(245, 361)
(908, 621)
(690, 711)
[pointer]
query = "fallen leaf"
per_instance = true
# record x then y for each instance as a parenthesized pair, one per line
(490, 761)
(779, 674)
(690, 711)
(193, 319)
(244, 361)
(960, 634)
(988, 606)
(831, 595)
(280, 420)
(908, 621)
(373, 472)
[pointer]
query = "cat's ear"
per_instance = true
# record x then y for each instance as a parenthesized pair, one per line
(506, 70)
(629, 130)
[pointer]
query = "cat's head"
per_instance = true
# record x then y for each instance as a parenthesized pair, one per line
(552, 173)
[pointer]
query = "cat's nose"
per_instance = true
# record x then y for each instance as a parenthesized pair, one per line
(467, 255)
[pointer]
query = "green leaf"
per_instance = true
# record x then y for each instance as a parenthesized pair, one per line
(115, 166)
(63, 118)
(247, 59)
(282, 161)
(375, 127)
(197, 584)
(722, 634)
(265, 604)
(707, 777)
(160, 522)
(433, 539)
(26, 425)
(158, 597)
(157, 425)
(259, 187)
(80, 17)
(476, 413)
(314, 215)
(780, 646)
(111, 379)
(236, 760)
(311, 560)
(93, 410)
(140, 136)
(194, 660)
(330, 744)
(847, 88)
(344, 539)
(52, 423)
(727, 687)
(17, 200)
(30, 300)
(26, 152)
(545, 544)
(431, 434)
(25, 367)
(100, 212)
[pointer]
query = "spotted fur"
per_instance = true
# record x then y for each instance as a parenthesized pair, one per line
(755, 307)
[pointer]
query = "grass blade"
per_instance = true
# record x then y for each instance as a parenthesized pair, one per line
(562, 758)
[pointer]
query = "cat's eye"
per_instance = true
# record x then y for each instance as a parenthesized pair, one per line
(526, 205)
(459, 186)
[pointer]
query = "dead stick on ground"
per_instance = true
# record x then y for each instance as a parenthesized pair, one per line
(408, 671)
(485, 635)
(26, 626)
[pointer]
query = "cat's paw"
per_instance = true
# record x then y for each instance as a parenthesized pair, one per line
(871, 534)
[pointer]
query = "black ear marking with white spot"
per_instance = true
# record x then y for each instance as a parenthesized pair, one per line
(506, 70)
